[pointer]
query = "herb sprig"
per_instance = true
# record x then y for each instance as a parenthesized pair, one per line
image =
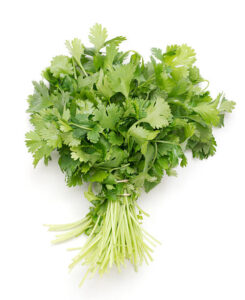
(120, 124)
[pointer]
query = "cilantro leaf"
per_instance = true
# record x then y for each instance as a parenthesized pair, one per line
(51, 134)
(98, 176)
(77, 153)
(180, 56)
(226, 105)
(94, 134)
(33, 141)
(98, 36)
(103, 85)
(120, 78)
(69, 139)
(157, 53)
(115, 139)
(111, 52)
(158, 114)
(108, 116)
(76, 49)
(40, 99)
(141, 134)
(61, 66)
(116, 41)
(208, 112)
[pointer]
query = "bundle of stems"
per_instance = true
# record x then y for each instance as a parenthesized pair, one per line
(115, 237)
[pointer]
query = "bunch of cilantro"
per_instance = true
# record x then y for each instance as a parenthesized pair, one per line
(120, 124)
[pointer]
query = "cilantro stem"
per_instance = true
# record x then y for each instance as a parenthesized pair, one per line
(82, 68)
(152, 237)
(205, 80)
(126, 53)
(177, 102)
(151, 78)
(115, 237)
(155, 156)
(123, 180)
(74, 68)
(141, 210)
(80, 126)
(166, 142)
(117, 168)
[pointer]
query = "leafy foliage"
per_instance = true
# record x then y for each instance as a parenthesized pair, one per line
(98, 36)
(121, 125)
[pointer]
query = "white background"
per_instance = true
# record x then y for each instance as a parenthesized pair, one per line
(198, 216)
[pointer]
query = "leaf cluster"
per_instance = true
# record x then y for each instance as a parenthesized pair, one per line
(112, 117)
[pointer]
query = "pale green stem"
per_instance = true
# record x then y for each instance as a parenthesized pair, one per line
(61, 227)
(166, 142)
(82, 68)
(80, 126)
(74, 69)
(141, 210)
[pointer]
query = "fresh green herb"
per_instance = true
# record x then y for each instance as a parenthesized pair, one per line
(120, 124)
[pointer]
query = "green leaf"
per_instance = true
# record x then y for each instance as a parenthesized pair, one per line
(103, 85)
(157, 53)
(194, 75)
(40, 99)
(114, 157)
(52, 135)
(143, 176)
(69, 139)
(98, 36)
(142, 135)
(111, 52)
(115, 139)
(108, 116)
(66, 163)
(61, 66)
(33, 141)
(181, 87)
(43, 152)
(77, 153)
(116, 41)
(158, 114)
(208, 112)
(85, 107)
(98, 176)
(163, 80)
(120, 78)
(94, 134)
(89, 81)
(76, 49)
(90, 196)
(226, 105)
(180, 56)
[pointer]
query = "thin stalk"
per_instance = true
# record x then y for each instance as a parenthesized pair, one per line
(166, 142)
(141, 210)
(151, 78)
(71, 234)
(123, 180)
(74, 68)
(82, 68)
(135, 252)
(81, 126)
(61, 227)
